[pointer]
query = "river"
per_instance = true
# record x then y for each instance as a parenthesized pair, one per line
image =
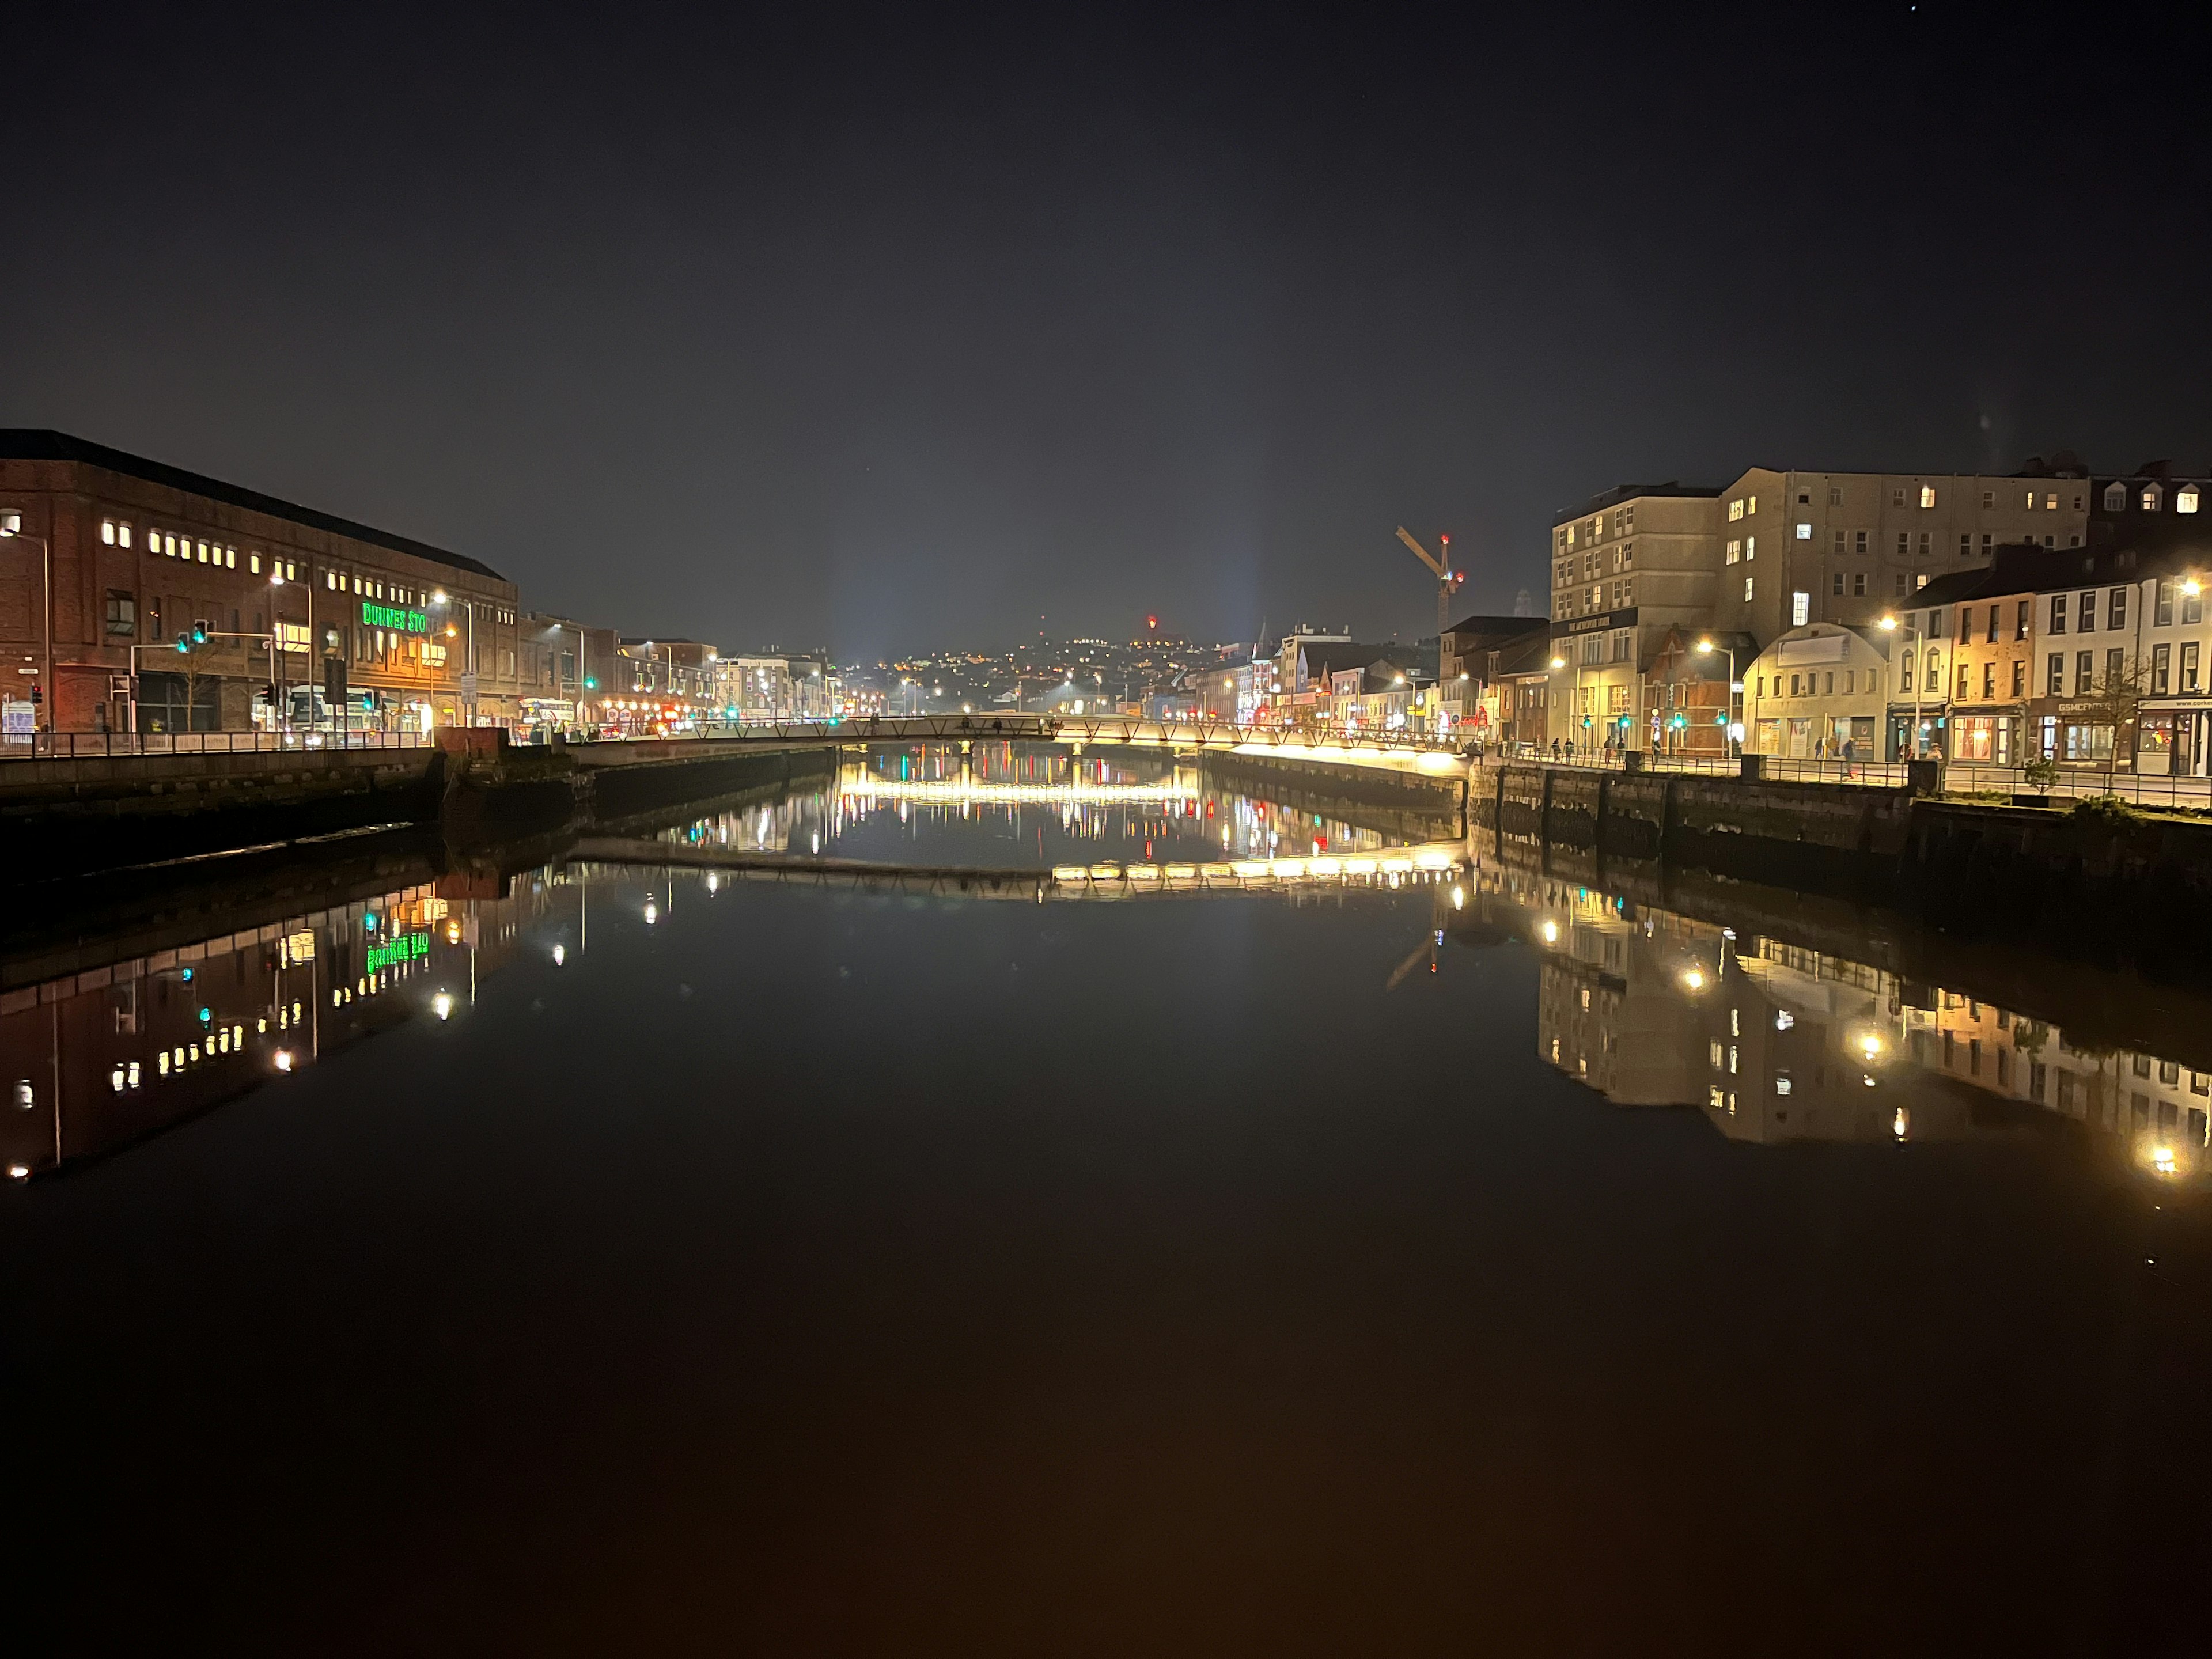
(1299, 1247)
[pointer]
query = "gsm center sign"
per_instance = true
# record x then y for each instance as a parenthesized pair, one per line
(396, 617)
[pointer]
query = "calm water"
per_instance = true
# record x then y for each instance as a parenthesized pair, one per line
(1380, 1263)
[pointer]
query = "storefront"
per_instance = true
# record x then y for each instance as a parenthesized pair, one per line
(1934, 733)
(1985, 740)
(2173, 737)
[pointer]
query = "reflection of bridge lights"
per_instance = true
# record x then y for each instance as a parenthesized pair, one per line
(2163, 1160)
(1551, 932)
(442, 1005)
(19, 1172)
(1695, 979)
(282, 1060)
(560, 955)
(1870, 1045)
(652, 913)
(1458, 898)
(1902, 1124)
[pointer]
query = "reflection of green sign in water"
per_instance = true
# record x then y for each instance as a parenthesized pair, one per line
(400, 951)
(373, 615)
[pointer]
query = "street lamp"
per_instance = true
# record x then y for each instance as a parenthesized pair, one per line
(1890, 624)
(1561, 662)
(11, 528)
(1706, 648)
(469, 667)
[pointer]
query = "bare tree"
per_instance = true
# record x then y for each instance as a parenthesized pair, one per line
(2115, 700)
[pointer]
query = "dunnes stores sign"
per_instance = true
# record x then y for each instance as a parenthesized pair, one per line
(395, 617)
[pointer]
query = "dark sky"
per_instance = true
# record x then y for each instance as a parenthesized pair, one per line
(888, 330)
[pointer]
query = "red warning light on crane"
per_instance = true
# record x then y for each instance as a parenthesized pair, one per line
(1151, 622)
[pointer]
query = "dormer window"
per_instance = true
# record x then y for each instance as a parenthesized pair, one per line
(2185, 499)
(2152, 495)
(2116, 498)
(1927, 495)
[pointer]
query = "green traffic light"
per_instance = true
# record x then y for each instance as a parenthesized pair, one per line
(184, 645)
(199, 634)
(590, 684)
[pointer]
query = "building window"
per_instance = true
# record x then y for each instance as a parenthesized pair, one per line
(1925, 548)
(1904, 544)
(1627, 559)
(1836, 585)
(1927, 496)
(2058, 613)
(1838, 547)
(2185, 499)
(2084, 672)
(107, 531)
(2192, 606)
(2051, 501)
(1750, 549)
(2018, 677)
(1735, 509)
(2115, 668)
(1804, 533)
(2085, 609)
(2152, 495)
(2161, 666)
(2117, 617)
(1859, 543)
(1897, 497)
(1735, 550)
(2021, 618)
(1989, 682)
(1989, 500)
(1858, 584)
(2054, 676)
(1801, 608)
(1835, 496)
(1904, 673)
(1747, 590)
(121, 615)
(1963, 672)
(2116, 498)
(2189, 667)
(1966, 544)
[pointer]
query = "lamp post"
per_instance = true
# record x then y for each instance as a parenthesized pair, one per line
(1890, 624)
(1558, 663)
(469, 663)
(11, 528)
(1706, 648)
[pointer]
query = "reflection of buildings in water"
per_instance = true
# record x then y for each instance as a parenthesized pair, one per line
(1777, 1042)
(105, 1057)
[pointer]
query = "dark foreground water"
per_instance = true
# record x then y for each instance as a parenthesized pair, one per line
(800, 1270)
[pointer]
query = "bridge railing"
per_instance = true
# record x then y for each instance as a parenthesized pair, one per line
(99, 745)
(1062, 728)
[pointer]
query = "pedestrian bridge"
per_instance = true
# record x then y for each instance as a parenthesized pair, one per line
(1417, 753)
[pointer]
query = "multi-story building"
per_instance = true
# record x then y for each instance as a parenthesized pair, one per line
(1848, 547)
(143, 597)
(1629, 566)
(1470, 651)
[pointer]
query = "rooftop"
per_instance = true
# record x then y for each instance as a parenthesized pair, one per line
(43, 444)
(1629, 492)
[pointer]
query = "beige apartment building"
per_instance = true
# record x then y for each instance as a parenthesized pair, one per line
(1634, 564)
(1848, 547)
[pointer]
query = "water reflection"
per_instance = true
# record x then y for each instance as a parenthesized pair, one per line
(1777, 1041)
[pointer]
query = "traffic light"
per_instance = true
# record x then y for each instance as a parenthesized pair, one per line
(199, 631)
(184, 644)
(590, 685)
(38, 696)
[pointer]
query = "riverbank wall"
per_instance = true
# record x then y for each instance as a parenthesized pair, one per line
(2110, 885)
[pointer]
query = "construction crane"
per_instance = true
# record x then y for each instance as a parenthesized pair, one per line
(1447, 582)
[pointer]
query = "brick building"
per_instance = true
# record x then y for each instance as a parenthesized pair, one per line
(118, 558)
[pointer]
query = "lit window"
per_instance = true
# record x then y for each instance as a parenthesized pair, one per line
(1750, 504)
(2030, 501)
(169, 545)
(123, 534)
(253, 563)
(1801, 608)
(1927, 495)
(230, 558)
(1735, 551)
(107, 531)
(202, 552)
(2152, 495)
(1804, 533)
(1735, 510)
(2184, 502)
(1746, 589)
(1750, 549)
(2051, 502)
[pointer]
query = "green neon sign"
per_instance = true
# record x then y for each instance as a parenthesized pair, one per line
(398, 617)
(399, 953)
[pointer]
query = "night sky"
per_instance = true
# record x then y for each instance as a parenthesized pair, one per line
(887, 331)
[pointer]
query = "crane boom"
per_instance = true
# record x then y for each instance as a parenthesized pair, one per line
(1422, 554)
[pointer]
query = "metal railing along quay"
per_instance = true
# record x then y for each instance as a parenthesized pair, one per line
(99, 745)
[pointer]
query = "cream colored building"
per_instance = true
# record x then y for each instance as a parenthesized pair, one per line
(1816, 688)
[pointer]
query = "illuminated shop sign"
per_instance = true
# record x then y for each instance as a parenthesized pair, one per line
(394, 617)
(402, 951)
